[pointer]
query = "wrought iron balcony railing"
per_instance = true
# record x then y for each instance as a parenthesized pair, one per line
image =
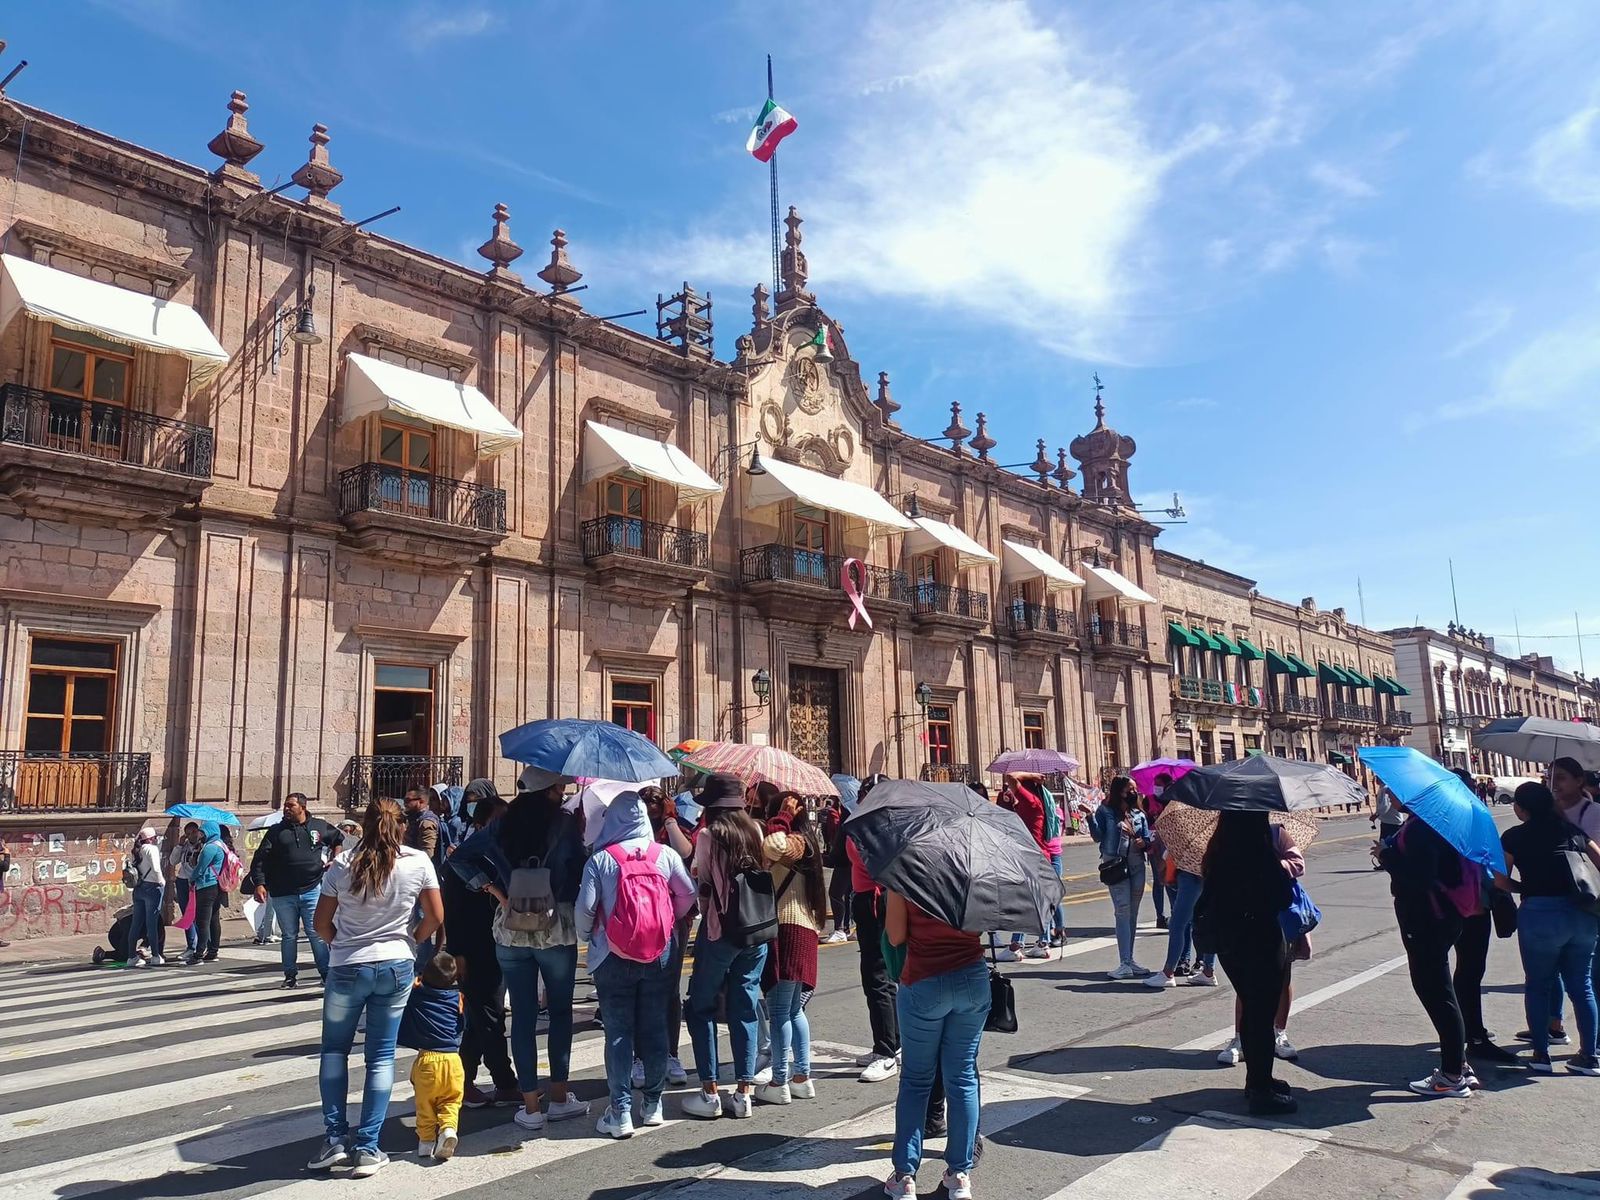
(948, 773)
(1042, 618)
(109, 432)
(1353, 712)
(645, 540)
(1398, 718)
(776, 563)
(381, 488)
(1300, 706)
(77, 781)
(1118, 633)
(391, 776)
(946, 600)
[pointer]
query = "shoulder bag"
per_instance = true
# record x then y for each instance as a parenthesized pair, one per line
(1002, 1016)
(1584, 889)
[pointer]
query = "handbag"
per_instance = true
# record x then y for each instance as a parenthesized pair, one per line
(185, 921)
(1503, 912)
(530, 898)
(1585, 879)
(1002, 1016)
(1114, 872)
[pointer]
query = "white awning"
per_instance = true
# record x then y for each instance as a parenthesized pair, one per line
(63, 298)
(784, 481)
(371, 386)
(930, 535)
(607, 451)
(1106, 584)
(1029, 562)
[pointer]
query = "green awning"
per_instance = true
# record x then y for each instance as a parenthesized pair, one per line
(1277, 664)
(1338, 758)
(1357, 678)
(1229, 646)
(1205, 639)
(1328, 673)
(1253, 753)
(1400, 689)
(1385, 685)
(1249, 651)
(1177, 635)
(1301, 667)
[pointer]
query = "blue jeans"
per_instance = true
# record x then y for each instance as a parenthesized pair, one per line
(633, 1006)
(791, 1030)
(180, 893)
(723, 968)
(382, 990)
(1557, 940)
(1125, 898)
(1158, 890)
(1060, 925)
(1180, 926)
(523, 966)
(292, 912)
(146, 919)
(941, 1023)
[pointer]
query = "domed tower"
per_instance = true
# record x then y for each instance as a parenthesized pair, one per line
(1103, 456)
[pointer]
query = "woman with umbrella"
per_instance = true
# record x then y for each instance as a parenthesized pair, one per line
(1120, 829)
(793, 850)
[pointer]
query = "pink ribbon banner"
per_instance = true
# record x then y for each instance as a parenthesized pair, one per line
(854, 577)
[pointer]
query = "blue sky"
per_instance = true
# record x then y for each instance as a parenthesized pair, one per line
(1339, 265)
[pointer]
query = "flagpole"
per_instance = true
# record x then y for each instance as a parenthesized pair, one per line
(772, 169)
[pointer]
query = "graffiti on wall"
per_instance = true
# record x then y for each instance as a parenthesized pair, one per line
(62, 884)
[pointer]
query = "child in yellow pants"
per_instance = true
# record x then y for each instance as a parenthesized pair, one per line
(432, 1027)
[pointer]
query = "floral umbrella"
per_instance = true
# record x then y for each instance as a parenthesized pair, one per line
(754, 764)
(685, 748)
(1186, 832)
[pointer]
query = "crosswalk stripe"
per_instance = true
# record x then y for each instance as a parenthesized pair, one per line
(191, 1021)
(1215, 1041)
(152, 981)
(257, 995)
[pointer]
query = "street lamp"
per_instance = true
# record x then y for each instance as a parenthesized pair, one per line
(304, 320)
(761, 685)
(923, 694)
(727, 455)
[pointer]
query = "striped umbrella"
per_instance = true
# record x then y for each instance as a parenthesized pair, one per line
(755, 764)
(1042, 762)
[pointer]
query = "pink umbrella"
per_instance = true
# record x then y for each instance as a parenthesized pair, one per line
(1144, 775)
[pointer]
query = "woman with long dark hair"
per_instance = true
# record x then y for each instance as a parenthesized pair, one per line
(729, 843)
(794, 851)
(1123, 835)
(364, 915)
(1246, 888)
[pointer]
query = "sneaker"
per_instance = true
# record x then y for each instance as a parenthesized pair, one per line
(803, 1090)
(565, 1110)
(331, 1155)
(741, 1105)
(676, 1075)
(528, 1120)
(637, 1076)
(1283, 1047)
(867, 1059)
(936, 1126)
(1125, 971)
(900, 1187)
(137, 962)
(763, 1076)
(1559, 1037)
(424, 1148)
(1539, 1064)
(1488, 1051)
(1201, 979)
(613, 1124)
(1470, 1077)
(837, 937)
(1439, 1085)
(1583, 1064)
(507, 1097)
(289, 982)
(650, 1113)
(1007, 955)
(880, 1069)
(473, 1096)
(1269, 1102)
(1183, 970)
(1232, 1054)
(1037, 950)
(157, 961)
(958, 1185)
(703, 1104)
(1160, 979)
(368, 1163)
(773, 1093)
(1161, 922)
(445, 1148)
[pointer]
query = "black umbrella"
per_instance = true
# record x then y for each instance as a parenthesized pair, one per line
(970, 863)
(1265, 783)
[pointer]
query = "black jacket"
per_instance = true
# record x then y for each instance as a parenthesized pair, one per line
(290, 858)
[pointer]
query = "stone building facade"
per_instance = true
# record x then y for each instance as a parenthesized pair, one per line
(1250, 673)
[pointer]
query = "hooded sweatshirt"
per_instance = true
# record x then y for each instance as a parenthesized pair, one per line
(626, 826)
(208, 863)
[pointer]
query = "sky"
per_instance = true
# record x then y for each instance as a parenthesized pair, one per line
(1337, 265)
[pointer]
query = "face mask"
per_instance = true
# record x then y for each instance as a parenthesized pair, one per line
(467, 809)
(1159, 789)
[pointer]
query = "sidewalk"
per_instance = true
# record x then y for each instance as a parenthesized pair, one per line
(39, 951)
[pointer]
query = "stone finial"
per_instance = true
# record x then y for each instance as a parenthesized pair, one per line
(1062, 474)
(500, 250)
(1041, 465)
(560, 274)
(956, 431)
(759, 314)
(234, 145)
(887, 404)
(981, 441)
(793, 265)
(317, 175)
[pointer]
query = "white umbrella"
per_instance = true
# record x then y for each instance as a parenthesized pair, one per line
(271, 818)
(592, 800)
(1541, 740)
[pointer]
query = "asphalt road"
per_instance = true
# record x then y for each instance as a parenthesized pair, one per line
(136, 1085)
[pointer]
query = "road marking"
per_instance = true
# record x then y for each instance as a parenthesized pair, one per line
(1215, 1041)
(266, 1000)
(1208, 1156)
(1507, 1182)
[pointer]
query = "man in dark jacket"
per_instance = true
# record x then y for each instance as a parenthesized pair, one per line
(286, 872)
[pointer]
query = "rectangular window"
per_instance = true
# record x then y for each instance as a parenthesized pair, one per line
(402, 709)
(625, 497)
(1252, 741)
(1185, 742)
(1111, 743)
(1229, 746)
(633, 706)
(71, 686)
(88, 386)
(925, 568)
(406, 483)
(941, 735)
(1033, 731)
(810, 544)
(1208, 753)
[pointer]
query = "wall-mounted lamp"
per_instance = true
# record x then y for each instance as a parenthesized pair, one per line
(727, 455)
(761, 685)
(304, 321)
(923, 694)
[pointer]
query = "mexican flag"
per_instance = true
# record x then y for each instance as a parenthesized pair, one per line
(772, 126)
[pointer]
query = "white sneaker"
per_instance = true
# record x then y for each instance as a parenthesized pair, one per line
(676, 1075)
(528, 1120)
(565, 1110)
(157, 961)
(880, 1069)
(137, 962)
(637, 1077)
(958, 1185)
(764, 1075)
(1138, 970)
(1200, 979)
(836, 937)
(773, 1093)
(741, 1105)
(613, 1124)
(1284, 1048)
(703, 1104)
(901, 1187)
(650, 1113)
(1160, 979)
(867, 1059)
(803, 1091)
(424, 1148)
(1124, 971)
(1232, 1054)
(444, 1148)
(1037, 950)
(1007, 955)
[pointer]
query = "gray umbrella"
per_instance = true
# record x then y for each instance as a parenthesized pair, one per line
(1265, 783)
(1541, 740)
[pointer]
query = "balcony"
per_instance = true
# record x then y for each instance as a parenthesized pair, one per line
(1397, 718)
(1117, 637)
(1193, 690)
(80, 781)
(423, 519)
(787, 583)
(643, 558)
(1042, 623)
(1340, 713)
(947, 773)
(391, 776)
(940, 606)
(1294, 712)
(63, 458)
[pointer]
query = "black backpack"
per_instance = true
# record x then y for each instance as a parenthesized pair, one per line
(750, 915)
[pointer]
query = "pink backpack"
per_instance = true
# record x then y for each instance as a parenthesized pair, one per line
(639, 926)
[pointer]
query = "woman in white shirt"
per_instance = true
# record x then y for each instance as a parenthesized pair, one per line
(364, 915)
(144, 860)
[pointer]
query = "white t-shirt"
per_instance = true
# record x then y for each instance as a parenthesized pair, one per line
(1585, 814)
(371, 929)
(147, 862)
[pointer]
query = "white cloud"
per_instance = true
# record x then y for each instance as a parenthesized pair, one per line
(1564, 161)
(1485, 322)
(1341, 180)
(424, 27)
(1555, 373)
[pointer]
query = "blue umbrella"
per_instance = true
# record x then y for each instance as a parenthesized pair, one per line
(596, 749)
(1436, 797)
(203, 812)
(849, 790)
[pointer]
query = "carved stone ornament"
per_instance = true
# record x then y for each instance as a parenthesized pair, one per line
(771, 423)
(805, 381)
(317, 174)
(234, 145)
